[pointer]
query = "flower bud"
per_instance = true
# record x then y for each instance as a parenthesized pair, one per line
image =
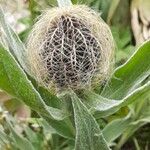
(70, 47)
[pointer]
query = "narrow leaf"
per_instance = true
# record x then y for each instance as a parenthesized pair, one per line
(63, 128)
(129, 75)
(49, 98)
(88, 133)
(20, 141)
(115, 128)
(14, 81)
(3, 136)
(17, 48)
(104, 107)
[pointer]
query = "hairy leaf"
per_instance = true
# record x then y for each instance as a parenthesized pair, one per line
(115, 128)
(15, 82)
(17, 48)
(104, 107)
(129, 75)
(88, 133)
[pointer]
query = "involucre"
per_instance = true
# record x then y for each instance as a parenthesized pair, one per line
(70, 47)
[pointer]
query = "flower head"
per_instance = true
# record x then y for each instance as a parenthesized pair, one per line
(70, 47)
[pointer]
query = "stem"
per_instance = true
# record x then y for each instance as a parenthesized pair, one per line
(123, 139)
(63, 3)
(136, 144)
(32, 4)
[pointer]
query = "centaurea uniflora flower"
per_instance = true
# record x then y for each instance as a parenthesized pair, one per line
(70, 47)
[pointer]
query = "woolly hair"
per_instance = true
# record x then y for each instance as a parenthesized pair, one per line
(70, 47)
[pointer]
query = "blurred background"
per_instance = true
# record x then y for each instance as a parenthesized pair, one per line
(129, 21)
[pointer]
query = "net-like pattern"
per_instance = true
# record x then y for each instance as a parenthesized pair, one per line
(70, 53)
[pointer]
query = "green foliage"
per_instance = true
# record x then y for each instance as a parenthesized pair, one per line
(88, 134)
(74, 119)
(115, 128)
(104, 107)
(25, 90)
(127, 77)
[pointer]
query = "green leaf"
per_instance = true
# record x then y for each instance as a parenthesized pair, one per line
(129, 75)
(138, 71)
(4, 139)
(49, 98)
(88, 133)
(63, 128)
(21, 142)
(3, 136)
(104, 107)
(53, 126)
(36, 138)
(115, 128)
(14, 81)
(128, 133)
(145, 119)
(140, 117)
(17, 48)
